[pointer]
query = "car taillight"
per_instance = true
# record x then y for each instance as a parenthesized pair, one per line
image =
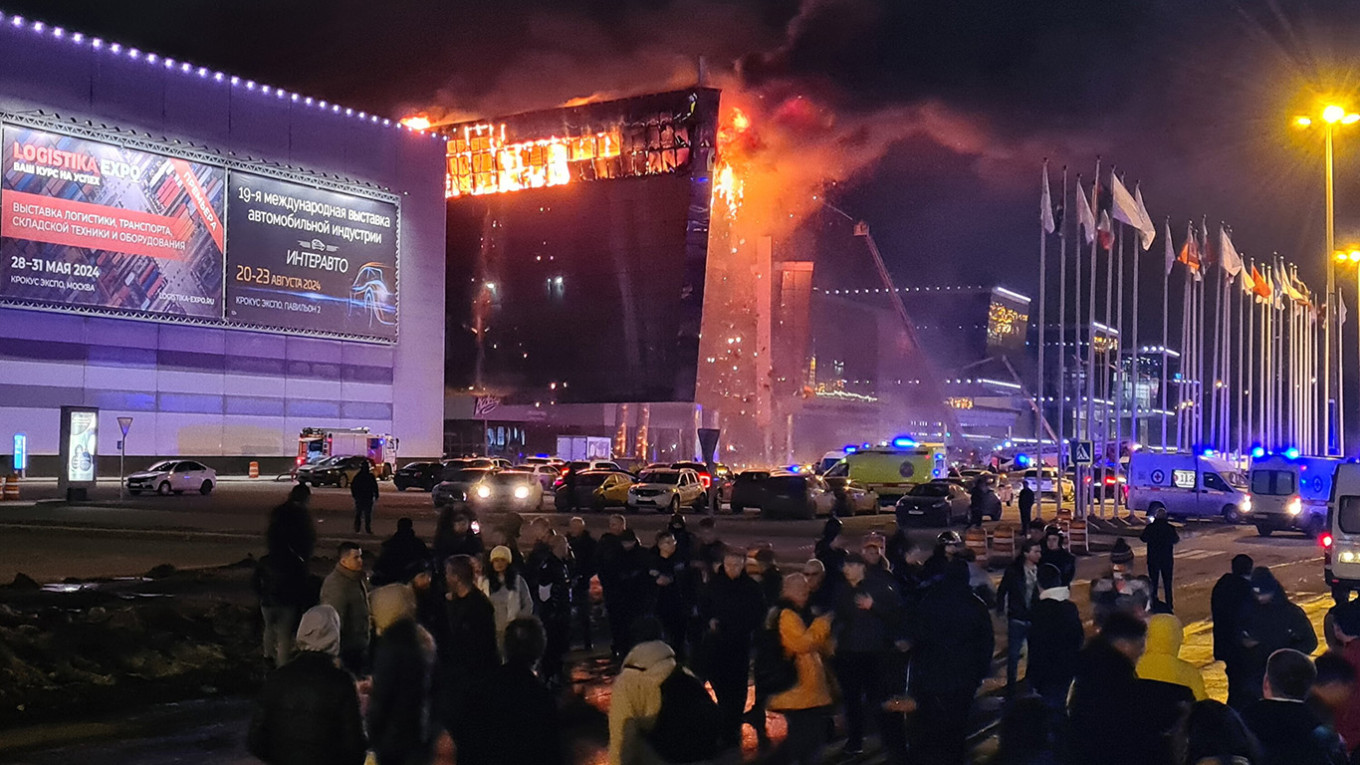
(1326, 539)
(706, 480)
(301, 460)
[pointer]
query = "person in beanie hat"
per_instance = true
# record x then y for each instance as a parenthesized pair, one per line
(403, 660)
(308, 710)
(1107, 591)
(1270, 623)
(1057, 555)
(684, 541)
(1121, 555)
(507, 589)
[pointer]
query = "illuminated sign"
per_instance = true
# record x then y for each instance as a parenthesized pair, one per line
(959, 402)
(20, 451)
(1183, 479)
(79, 447)
(96, 226)
(1006, 326)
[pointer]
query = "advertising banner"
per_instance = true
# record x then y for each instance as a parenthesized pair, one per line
(91, 225)
(312, 259)
(79, 450)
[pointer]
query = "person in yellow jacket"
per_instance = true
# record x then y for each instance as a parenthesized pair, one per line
(807, 705)
(1161, 660)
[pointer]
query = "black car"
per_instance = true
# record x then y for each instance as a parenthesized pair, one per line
(419, 475)
(334, 471)
(796, 495)
(748, 490)
(936, 503)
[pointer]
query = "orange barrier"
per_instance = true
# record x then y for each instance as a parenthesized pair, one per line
(11, 487)
(254, 470)
(976, 540)
(1076, 538)
(1003, 545)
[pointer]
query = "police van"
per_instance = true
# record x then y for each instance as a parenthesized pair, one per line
(1187, 486)
(1290, 492)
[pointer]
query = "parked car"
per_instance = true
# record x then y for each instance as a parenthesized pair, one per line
(542, 460)
(1046, 484)
(173, 477)
(546, 473)
(859, 498)
(507, 490)
(747, 490)
(419, 475)
(457, 484)
(668, 490)
(700, 469)
(333, 471)
(937, 503)
(796, 495)
(587, 485)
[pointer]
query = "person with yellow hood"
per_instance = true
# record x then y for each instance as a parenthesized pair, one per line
(1161, 661)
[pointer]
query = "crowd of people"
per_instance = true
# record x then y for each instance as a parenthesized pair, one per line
(886, 642)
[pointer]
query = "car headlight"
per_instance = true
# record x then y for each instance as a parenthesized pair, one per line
(1294, 506)
(521, 492)
(1347, 556)
(483, 491)
(1246, 504)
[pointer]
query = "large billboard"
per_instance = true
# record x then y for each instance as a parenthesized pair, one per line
(300, 257)
(92, 225)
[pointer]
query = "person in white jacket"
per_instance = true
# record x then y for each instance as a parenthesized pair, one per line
(636, 696)
(507, 591)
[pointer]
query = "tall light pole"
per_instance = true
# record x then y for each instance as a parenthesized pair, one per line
(1331, 116)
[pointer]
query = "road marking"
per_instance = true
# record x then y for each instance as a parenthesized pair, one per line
(1199, 554)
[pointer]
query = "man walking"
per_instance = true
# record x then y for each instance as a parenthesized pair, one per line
(868, 625)
(583, 552)
(732, 608)
(1015, 600)
(346, 590)
(364, 489)
(1026, 507)
(1161, 540)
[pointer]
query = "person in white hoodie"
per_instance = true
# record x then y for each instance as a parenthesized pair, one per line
(507, 590)
(1055, 637)
(636, 696)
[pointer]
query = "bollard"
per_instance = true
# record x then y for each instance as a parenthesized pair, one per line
(976, 540)
(1076, 538)
(1003, 545)
(11, 487)
(254, 470)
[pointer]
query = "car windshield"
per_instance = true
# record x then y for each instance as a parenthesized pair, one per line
(329, 462)
(930, 490)
(1236, 480)
(511, 477)
(659, 476)
(1272, 482)
(591, 479)
(161, 466)
(691, 465)
(471, 475)
(786, 485)
(751, 476)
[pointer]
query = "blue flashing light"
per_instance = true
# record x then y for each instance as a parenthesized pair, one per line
(850, 449)
(866, 445)
(1257, 452)
(1022, 460)
(1292, 453)
(903, 442)
(1208, 453)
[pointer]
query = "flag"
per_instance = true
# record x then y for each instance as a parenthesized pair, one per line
(1085, 220)
(1148, 231)
(1189, 250)
(1170, 250)
(1262, 283)
(1280, 288)
(1340, 310)
(1292, 284)
(1106, 235)
(1206, 250)
(1248, 286)
(1126, 210)
(1228, 257)
(1046, 205)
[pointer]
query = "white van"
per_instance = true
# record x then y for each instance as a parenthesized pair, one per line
(1341, 542)
(1290, 493)
(1188, 486)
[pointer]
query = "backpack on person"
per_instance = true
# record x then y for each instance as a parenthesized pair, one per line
(774, 670)
(688, 724)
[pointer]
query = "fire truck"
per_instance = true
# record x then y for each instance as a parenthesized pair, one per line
(315, 444)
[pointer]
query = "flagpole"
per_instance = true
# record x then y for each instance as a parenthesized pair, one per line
(1133, 351)
(1241, 376)
(1217, 355)
(1224, 398)
(1062, 339)
(1250, 369)
(1043, 277)
(1119, 376)
(1262, 364)
(1105, 366)
(1182, 420)
(1091, 337)
(1166, 299)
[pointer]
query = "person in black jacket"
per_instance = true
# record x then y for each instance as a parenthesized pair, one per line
(609, 564)
(281, 579)
(583, 547)
(1055, 637)
(552, 600)
(515, 719)
(364, 490)
(1161, 540)
(684, 541)
(1026, 507)
(868, 627)
(1057, 555)
(1290, 733)
(731, 609)
(399, 698)
(672, 591)
(1230, 598)
(453, 535)
(470, 647)
(951, 656)
(1269, 623)
(1014, 600)
(308, 711)
(830, 550)
(402, 556)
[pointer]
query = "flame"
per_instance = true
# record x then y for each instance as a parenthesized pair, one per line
(416, 122)
(593, 98)
(729, 187)
(481, 160)
(740, 122)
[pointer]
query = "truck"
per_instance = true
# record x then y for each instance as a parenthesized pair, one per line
(585, 447)
(890, 471)
(1187, 485)
(1290, 493)
(316, 444)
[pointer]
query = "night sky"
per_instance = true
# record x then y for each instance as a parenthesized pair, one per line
(1191, 97)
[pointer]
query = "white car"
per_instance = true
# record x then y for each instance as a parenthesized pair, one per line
(667, 490)
(507, 490)
(546, 473)
(173, 477)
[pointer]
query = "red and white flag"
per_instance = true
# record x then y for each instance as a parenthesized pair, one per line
(1106, 235)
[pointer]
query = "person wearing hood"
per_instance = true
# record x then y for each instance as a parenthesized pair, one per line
(1231, 597)
(1161, 661)
(402, 555)
(308, 710)
(1055, 638)
(948, 546)
(1057, 555)
(684, 540)
(346, 590)
(506, 589)
(952, 644)
(364, 490)
(807, 705)
(636, 695)
(1115, 590)
(453, 534)
(830, 550)
(399, 698)
(1269, 623)
(512, 700)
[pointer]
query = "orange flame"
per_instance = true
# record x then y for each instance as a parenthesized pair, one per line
(482, 161)
(729, 188)
(416, 122)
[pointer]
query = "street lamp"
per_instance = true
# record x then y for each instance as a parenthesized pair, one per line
(1332, 114)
